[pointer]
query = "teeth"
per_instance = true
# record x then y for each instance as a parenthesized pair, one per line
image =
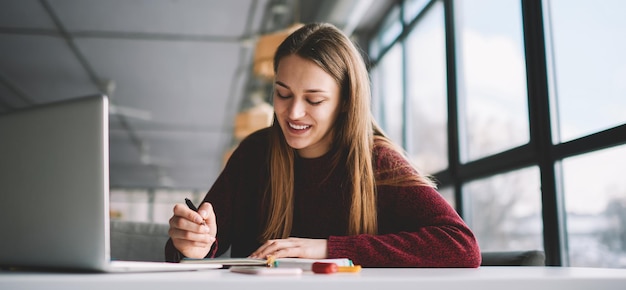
(298, 127)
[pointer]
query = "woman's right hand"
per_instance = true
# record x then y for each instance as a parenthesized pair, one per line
(193, 233)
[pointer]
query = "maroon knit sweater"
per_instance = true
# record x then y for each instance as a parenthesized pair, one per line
(416, 226)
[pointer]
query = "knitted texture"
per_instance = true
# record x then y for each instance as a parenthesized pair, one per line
(416, 226)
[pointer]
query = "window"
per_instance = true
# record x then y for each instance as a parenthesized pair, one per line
(377, 108)
(494, 164)
(412, 8)
(154, 205)
(504, 210)
(388, 33)
(129, 205)
(389, 75)
(427, 120)
(165, 199)
(492, 81)
(448, 194)
(589, 65)
(595, 204)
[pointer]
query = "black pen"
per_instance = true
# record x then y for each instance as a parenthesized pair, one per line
(192, 207)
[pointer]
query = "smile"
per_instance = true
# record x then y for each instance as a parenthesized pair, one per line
(299, 127)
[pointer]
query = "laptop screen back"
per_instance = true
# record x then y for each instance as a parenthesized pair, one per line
(54, 188)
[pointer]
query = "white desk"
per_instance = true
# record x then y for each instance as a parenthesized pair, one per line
(485, 278)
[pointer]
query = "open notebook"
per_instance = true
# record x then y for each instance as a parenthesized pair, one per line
(54, 193)
(302, 263)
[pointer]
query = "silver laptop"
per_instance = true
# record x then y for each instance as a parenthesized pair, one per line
(54, 190)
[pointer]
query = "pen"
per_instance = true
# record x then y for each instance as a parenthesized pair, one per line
(192, 207)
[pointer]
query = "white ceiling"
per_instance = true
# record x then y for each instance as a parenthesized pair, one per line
(176, 72)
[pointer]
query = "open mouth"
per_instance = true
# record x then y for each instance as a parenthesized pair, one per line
(298, 127)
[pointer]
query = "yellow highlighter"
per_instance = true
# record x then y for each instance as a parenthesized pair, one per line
(349, 269)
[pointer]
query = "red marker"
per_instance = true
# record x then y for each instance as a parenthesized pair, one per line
(329, 268)
(324, 268)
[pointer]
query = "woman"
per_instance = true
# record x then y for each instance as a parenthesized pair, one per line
(323, 181)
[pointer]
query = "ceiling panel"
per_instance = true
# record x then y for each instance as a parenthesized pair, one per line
(178, 156)
(43, 68)
(133, 175)
(182, 148)
(125, 150)
(24, 14)
(176, 82)
(9, 101)
(176, 71)
(188, 17)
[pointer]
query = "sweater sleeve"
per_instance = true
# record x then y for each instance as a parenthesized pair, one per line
(224, 191)
(220, 198)
(417, 228)
(443, 241)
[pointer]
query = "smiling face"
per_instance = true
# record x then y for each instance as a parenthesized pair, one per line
(306, 103)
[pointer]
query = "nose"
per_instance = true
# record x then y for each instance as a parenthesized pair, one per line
(297, 109)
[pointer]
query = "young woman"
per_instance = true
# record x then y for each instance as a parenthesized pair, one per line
(323, 181)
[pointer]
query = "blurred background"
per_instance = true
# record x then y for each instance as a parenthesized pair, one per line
(516, 107)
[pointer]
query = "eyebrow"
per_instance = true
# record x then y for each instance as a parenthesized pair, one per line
(306, 91)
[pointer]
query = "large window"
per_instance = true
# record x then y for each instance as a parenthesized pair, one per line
(518, 108)
(589, 65)
(504, 210)
(595, 203)
(588, 93)
(389, 74)
(154, 205)
(427, 120)
(492, 77)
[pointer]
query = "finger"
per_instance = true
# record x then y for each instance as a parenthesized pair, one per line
(294, 252)
(260, 250)
(186, 244)
(182, 210)
(208, 214)
(199, 238)
(187, 225)
(290, 247)
(271, 247)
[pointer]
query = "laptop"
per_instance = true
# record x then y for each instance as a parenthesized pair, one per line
(54, 190)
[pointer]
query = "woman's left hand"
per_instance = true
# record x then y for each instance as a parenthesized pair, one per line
(294, 248)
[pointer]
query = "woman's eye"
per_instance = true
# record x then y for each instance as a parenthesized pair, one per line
(314, 102)
(281, 96)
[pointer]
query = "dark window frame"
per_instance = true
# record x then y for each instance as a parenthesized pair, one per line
(539, 151)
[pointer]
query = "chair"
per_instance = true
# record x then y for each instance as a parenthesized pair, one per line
(138, 241)
(513, 258)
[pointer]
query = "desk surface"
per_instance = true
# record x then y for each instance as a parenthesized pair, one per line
(484, 278)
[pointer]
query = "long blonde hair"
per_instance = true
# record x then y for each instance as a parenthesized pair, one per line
(354, 132)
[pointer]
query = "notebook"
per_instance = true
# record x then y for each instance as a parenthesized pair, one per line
(302, 263)
(54, 190)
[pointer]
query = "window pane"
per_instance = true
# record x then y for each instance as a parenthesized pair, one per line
(129, 205)
(164, 201)
(589, 65)
(448, 194)
(504, 211)
(390, 91)
(427, 120)
(374, 49)
(412, 8)
(492, 77)
(391, 28)
(595, 204)
(377, 108)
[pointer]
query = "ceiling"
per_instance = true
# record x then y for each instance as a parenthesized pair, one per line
(176, 71)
